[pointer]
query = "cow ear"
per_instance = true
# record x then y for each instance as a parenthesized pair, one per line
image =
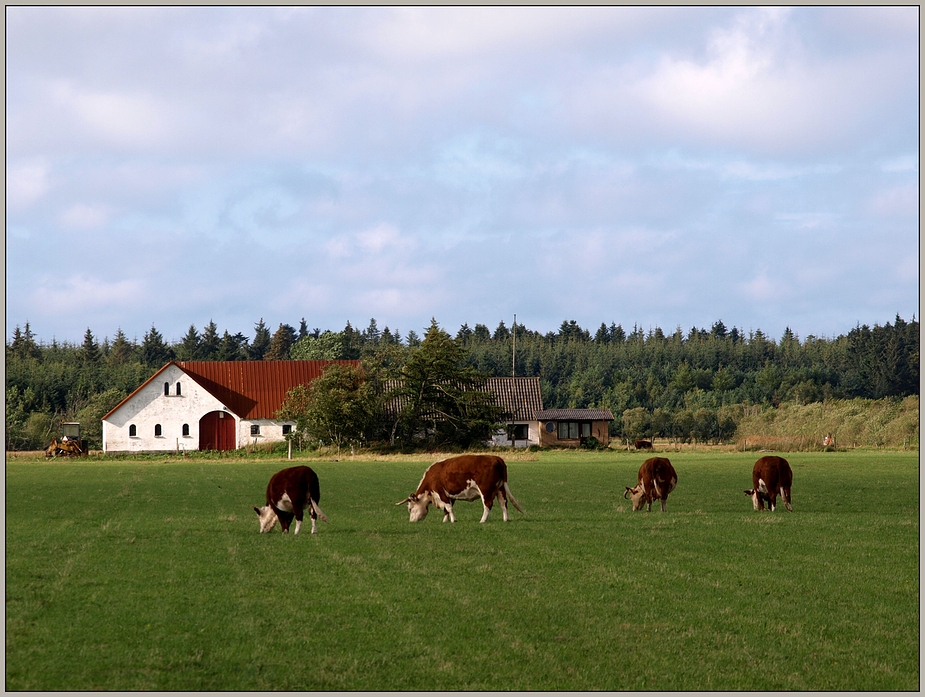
(750, 492)
(256, 510)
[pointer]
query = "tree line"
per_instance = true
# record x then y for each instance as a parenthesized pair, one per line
(693, 385)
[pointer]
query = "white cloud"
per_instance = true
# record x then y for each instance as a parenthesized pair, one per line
(81, 294)
(26, 182)
(84, 215)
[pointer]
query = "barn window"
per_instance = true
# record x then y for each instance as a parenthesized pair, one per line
(287, 429)
(255, 429)
(132, 431)
(178, 389)
(166, 389)
(185, 429)
(157, 430)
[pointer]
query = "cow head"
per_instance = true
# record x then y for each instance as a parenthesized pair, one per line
(756, 498)
(637, 496)
(418, 505)
(267, 516)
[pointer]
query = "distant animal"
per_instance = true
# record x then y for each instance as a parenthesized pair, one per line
(289, 493)
(657, 479)
(466, 478)
(828, 440)
(771, 476)
(643, 445)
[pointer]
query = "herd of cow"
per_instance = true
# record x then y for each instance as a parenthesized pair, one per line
(469, 477)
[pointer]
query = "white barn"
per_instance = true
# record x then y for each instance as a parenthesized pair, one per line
(207, 405)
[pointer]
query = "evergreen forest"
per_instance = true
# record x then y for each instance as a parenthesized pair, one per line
(693, 386)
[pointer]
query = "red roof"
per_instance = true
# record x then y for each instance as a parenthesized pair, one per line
(250, 389)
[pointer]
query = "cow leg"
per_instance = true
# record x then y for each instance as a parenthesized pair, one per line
(285, 519)
(664, 505)
(502, 499)
(448, 512)
(314, 517)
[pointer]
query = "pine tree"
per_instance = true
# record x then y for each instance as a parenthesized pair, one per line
(188, 348)
(261, 341)
(89, 352)
(282, 341)
(154, 350)
(209, 343)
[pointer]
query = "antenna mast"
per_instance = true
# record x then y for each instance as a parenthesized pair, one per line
(513, 345)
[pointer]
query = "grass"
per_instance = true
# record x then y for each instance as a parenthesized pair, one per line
(152, 576)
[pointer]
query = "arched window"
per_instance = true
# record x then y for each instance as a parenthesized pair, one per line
(178, 389)
(157, 429)
(166, 388)
(132, 431)
(185, 427)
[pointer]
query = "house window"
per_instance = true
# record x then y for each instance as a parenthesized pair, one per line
(518, 431)
(185, 428)
(255, 429)
(132, 431)
(574, 429)
(166, 389)
(178, 389)
(287, 429)
(157, 430)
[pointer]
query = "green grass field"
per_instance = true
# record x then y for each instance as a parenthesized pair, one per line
(128, 575)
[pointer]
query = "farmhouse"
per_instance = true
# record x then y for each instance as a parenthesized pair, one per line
(207, 405)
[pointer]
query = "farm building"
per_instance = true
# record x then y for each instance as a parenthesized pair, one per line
(207, 405)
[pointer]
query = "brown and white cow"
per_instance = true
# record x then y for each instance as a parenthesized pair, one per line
(289, 493)
(771, 476)
(657, 479)
(466, 478)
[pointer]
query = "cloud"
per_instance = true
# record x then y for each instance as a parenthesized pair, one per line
(81, 293)
(26, 182)
(84, 215)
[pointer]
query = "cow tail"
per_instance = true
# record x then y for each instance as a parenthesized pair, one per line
(318, 511)
(511, 498)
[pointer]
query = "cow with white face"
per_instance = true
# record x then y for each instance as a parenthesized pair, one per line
(465, 478)
(771, 477)
(289, 493)
(657, 479)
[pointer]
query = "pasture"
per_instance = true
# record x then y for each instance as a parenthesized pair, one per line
(149, 575)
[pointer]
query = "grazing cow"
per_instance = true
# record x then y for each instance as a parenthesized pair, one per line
(643, 445)
(289, 492)
(657, 479)
(467, 478)
(771, 476)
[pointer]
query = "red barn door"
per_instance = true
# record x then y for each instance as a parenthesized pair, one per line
(216, 431)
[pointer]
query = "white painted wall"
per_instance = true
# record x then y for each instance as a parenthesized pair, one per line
(500, 438)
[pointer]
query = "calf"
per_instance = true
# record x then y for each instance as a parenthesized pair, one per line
(289, 492)
(771, 476)
(657, 479)
(467, 477)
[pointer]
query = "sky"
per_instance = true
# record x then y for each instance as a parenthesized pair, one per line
(651, 167)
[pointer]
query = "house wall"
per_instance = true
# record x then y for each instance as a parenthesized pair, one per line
(150, 406)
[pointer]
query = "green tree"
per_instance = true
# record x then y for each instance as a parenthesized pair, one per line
(261, 342)
(441, 398)
(328, 346)
(188, 348)
(338, 408)
(154, 350)
(282, 340)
